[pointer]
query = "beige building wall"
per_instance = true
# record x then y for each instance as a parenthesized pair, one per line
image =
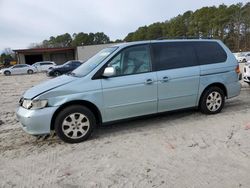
(21, 59)
(85, 52)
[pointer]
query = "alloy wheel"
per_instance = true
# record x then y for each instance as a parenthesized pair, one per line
(75, 125)
(214, 101)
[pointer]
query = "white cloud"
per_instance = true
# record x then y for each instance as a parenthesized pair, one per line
(26, 21)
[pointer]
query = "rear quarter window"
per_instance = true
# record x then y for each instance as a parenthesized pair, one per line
(209, 53)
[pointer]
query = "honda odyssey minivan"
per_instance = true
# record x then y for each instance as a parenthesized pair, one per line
(130, 80)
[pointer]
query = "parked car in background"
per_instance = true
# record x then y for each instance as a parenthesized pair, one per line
(44, 65)
(244, 57)
(246, 73)
(130, 80)
(65, 68)
(18, 69)
(237, 54)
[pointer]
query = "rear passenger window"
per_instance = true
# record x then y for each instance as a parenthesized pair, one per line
(173, 55)
(209, 53)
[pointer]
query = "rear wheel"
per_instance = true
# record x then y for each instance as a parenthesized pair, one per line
(75, 124)
(212, 100)
(7, 73)
(30, 71)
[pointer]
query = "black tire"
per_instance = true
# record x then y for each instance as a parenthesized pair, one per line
(62, 121)
(244, 61)
(57, 73)
(30, 71)
(7, 73)
(214, 106)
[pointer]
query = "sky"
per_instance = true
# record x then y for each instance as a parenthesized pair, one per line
(23, 22)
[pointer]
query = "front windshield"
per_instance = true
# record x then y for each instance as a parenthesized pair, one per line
(68, 62)
(93, 62)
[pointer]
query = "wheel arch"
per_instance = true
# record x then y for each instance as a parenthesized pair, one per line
(87, 104)
(217, 84)
(7, 71)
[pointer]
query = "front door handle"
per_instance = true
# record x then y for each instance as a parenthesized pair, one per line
(149, 81)
(165, 79)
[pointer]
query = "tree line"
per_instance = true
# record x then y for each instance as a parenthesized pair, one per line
(77, 39)
(231, 24)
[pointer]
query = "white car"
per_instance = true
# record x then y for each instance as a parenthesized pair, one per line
(44, 66)
(244, 57)
(246, 73)
(18, 69)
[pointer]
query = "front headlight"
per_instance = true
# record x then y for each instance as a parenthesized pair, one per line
(34, 104)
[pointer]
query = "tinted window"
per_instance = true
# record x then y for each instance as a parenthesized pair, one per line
(20, 66)
(209, 52)
(172, 55)
(132, 60)
(48, 63)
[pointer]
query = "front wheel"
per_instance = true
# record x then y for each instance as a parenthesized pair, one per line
(57, 73)
(212, 100)
(30, 71)
(75, 124)
(7, 73)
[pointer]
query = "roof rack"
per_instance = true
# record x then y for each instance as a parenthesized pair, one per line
(184, 37)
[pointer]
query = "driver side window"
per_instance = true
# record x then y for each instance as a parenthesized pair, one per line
(132, 60)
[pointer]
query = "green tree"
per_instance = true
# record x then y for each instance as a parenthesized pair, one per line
(101, 38)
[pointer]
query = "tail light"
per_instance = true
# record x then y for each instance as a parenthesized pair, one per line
(237, 69)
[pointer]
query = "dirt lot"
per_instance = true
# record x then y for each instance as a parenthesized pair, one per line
(183, 149)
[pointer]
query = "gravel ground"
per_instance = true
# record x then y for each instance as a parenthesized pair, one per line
(181, 149)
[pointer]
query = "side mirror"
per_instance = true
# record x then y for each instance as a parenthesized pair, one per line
(109, 71)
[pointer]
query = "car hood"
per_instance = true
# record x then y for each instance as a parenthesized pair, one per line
(58, 66)
(2, 70)
(47, 86)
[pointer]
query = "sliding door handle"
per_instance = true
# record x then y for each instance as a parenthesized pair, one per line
(165, 79)
(149, 81)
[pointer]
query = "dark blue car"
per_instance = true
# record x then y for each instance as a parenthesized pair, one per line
(65, 68)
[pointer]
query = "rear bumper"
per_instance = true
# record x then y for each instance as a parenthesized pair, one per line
(233, 89)
(35, 122)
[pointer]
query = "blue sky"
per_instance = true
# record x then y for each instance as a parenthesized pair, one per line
(23, 22)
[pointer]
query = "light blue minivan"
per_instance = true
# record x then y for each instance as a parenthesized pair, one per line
(130, 80)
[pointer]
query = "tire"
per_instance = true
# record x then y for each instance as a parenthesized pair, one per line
(212, 100)
(30, 71)
(77, 131)
(57, 73)
(244, 61)
(7, 73)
